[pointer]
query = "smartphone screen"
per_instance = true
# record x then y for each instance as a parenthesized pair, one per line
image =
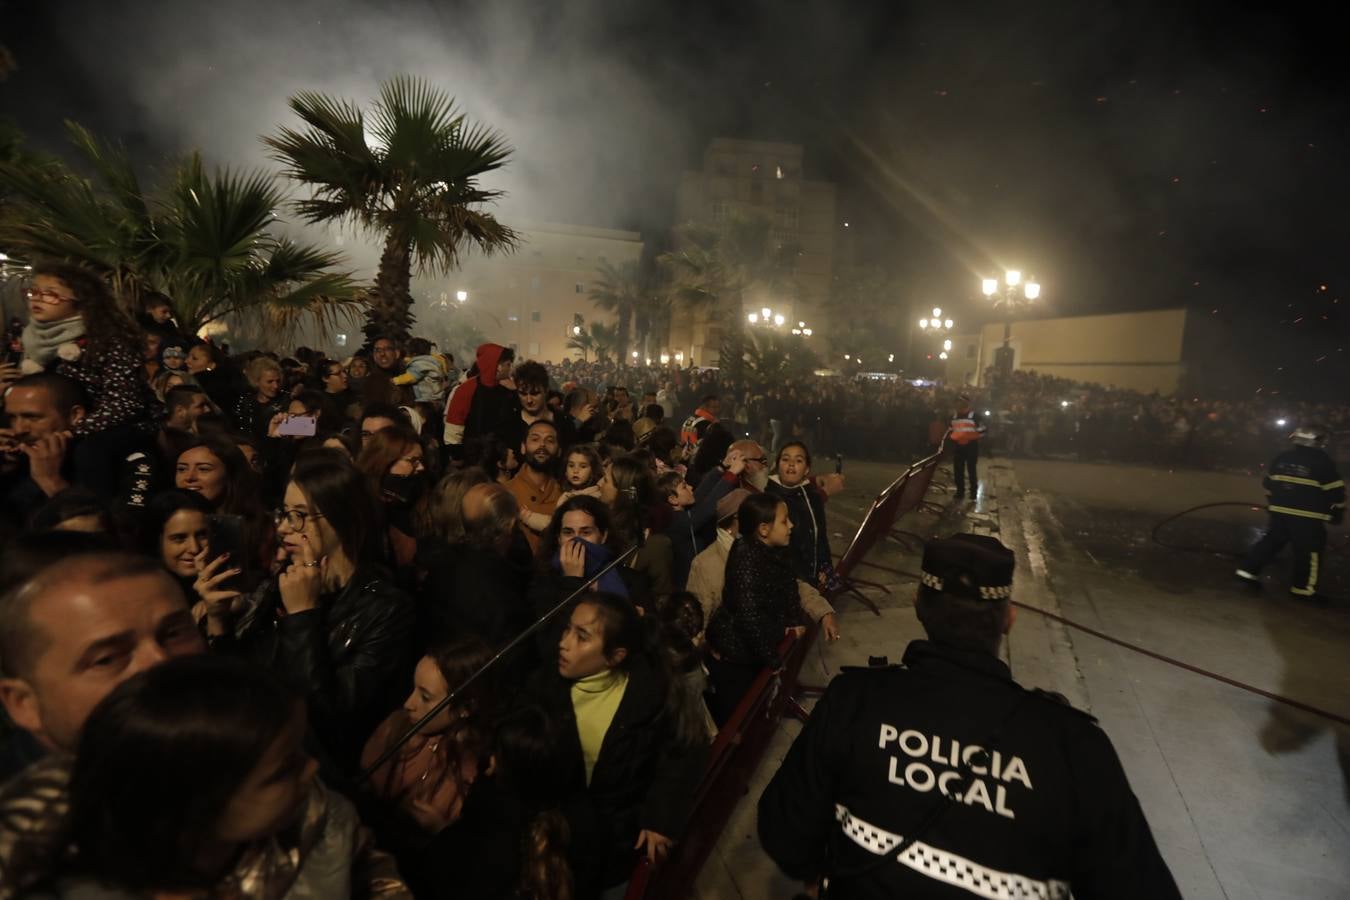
(298, 426)
(226, 534)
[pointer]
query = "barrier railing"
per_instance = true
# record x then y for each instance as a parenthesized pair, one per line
(741, 742)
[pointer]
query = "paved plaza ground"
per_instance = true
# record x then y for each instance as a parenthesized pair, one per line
(1247, 798)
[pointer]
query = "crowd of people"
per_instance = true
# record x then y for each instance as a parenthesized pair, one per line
(232, 585)
(1032, 415)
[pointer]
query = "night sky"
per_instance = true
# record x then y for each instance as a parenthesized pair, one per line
(1128, 155)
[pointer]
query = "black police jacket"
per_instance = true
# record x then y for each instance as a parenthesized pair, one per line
(1303, 482)
(1005, 792)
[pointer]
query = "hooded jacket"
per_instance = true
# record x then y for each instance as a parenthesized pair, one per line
(478, 403)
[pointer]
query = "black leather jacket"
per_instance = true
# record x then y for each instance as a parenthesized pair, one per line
(352, 656)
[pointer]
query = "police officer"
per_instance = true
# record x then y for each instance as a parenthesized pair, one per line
(1305, 493)
(943, 778)
(965, 428)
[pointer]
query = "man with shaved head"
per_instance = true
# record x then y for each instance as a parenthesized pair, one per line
(69, 635)
(78, 629)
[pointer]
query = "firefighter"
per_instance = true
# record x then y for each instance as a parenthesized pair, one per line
(965, 430)
(942, 777)
(1305, 493)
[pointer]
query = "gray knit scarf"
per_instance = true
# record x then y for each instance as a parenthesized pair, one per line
(40, 339)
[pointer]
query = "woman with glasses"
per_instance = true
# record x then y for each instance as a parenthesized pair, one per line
(334, 383)
(394, 465)
(331, 623)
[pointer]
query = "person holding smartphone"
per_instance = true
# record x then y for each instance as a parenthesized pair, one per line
(331, 623)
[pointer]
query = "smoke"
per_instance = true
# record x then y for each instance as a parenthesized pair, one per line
(590, 117)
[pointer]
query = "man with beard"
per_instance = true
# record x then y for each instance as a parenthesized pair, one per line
(535, 486)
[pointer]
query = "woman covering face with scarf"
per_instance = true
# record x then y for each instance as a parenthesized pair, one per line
(394, 465)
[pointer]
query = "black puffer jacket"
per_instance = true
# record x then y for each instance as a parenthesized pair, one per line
(759, 602)
(352, 656)
(644, 777)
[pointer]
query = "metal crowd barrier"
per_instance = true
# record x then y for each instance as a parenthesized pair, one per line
(741, 742)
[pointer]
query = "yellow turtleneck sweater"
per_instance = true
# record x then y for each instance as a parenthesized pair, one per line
(595, 700)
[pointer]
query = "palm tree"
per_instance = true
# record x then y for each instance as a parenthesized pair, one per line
(207, 241)
(582, 342)
(620, 290)
(409, 173)
(714, 266)
(604, 340)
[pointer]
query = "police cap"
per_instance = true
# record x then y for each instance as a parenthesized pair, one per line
(973, 566)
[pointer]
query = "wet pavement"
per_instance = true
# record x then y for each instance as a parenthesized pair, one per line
(1247, 798)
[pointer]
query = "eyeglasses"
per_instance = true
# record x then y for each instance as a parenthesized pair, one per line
(46, 296)
(295, 519)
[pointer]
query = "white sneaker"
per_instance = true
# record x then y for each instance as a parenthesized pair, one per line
(1247, 576)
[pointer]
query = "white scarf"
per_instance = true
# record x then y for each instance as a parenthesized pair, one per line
(41, 339)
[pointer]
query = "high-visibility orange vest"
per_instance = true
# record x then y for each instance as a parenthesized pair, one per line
(965, 428)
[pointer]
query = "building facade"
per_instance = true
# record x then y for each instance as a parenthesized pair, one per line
(760, 178)
(1139, 350)
(531, 299)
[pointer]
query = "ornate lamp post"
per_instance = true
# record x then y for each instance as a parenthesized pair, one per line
(1012, 294)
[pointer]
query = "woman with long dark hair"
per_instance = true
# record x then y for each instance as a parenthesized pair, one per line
(331, 622)
(394, 465)
(174, 531)
(611, 690)
(192, 779)
(430, 775)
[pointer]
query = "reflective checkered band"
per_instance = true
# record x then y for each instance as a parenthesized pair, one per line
(931, 580)
(949, 868)
(996, 593)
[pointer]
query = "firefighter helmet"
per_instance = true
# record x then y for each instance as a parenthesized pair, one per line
(1310, 436)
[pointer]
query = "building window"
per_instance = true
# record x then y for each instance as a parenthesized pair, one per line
(756, 192)
(512, 316)
(719, 211)
(580, 288)
(787, 218)
(534, 316)
(534, 282)
(778, 172)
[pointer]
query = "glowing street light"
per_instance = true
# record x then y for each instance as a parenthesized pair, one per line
(937, 312)
(947, 344)
(754, 318)
(806, 332)
(679, 356)
(665, 358)
(576, 329)
(1010, 298)
(765, 312)
(635, 354)
(461, 296)
(942, 355)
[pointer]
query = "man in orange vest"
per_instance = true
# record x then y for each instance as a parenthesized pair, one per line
(965, 430)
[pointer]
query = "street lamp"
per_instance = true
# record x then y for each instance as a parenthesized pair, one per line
(754, 318)
(1011, 299)
(665, 359)
(461, 296)
(679, 356)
